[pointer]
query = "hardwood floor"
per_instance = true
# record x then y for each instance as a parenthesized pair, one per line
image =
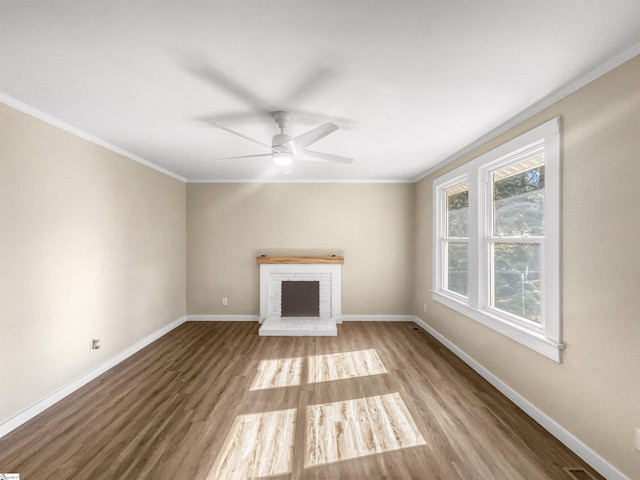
(215, 400)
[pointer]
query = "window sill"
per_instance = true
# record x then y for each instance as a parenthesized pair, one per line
(534, 340)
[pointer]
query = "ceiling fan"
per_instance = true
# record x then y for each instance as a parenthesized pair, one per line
(284, 149)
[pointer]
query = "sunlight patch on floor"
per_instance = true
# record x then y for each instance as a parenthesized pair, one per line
(258, 445)
(356, 428)
(285, 372)
(340, 366)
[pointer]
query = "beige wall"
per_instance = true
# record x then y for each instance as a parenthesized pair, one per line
(595, 392)
(372, 225)
(91, 245)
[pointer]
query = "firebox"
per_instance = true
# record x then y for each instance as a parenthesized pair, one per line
(300, 299)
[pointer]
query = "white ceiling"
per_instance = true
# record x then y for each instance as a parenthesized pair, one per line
(410, 83)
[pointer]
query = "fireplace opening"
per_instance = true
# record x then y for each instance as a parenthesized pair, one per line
(300, 299)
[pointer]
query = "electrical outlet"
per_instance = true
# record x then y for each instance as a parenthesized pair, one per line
(225, 301)
(425, 307)
(95, 343)
(638, 438)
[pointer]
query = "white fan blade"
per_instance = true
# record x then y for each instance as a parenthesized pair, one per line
(243, 156)
(328, 157)
(240, 135)
(303, 141)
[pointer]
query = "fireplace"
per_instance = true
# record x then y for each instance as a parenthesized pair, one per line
(301, 296)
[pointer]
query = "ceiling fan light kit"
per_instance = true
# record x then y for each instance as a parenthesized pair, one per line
(282, 159)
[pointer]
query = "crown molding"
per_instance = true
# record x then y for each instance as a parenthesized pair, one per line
(537, 107)
(56, 122)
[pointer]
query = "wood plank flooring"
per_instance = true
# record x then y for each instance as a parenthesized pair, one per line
(213, 400)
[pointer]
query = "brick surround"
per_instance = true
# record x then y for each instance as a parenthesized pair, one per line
(328, 276)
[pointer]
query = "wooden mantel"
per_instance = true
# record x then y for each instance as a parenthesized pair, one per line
(293, 259)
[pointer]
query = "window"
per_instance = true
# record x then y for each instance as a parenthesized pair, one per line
(456, 240)
(497, 239)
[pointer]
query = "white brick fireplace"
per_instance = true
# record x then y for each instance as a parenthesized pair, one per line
(328, 276)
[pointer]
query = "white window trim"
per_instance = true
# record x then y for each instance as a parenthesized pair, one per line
(441, 221)
(545, 338)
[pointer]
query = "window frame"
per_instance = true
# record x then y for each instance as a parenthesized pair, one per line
(546, 337)
(447, 239)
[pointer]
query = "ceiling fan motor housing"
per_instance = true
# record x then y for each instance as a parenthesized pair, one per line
(282, 143)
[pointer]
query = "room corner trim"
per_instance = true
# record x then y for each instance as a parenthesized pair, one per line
(564, 436)
(55, 397)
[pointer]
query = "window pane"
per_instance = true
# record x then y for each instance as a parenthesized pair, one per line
(518, 199)
(458, 211)
(516, 279)
(457, 275)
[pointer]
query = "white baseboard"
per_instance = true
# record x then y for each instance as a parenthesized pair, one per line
(256, 318)
(378, 318)
(47, 402)
(223, 318)
(579, 448)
